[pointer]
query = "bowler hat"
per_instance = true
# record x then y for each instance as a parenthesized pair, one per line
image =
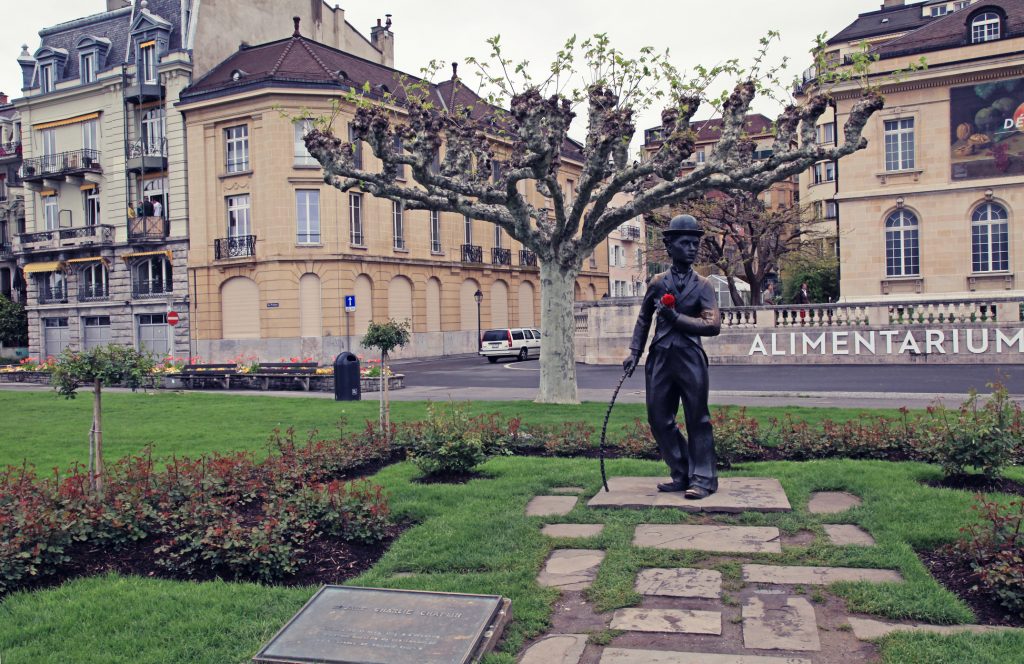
(684, 224)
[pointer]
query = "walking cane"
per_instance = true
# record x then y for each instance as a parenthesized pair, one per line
(604, 427)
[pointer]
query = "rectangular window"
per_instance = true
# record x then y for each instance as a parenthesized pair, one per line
(307, 213)
(399, 149)
(700, 156)
(435, 231)
(570, 191)
(960, 4)
(831, 210)
(51, 213)
(497, 169)
(236, 142)
(398, 224)
(355, 219)
(87, 67)
(939, 10)
(899, 144)
(468, 230)
(92, 206)
(46, 78)
(827, 133)
(302, 156)
(239, 224)
(147, 63)
(357, 147)
(497, 237)
(91, 135)
(48, 137)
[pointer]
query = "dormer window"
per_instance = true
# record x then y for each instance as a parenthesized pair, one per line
(87, 67)
(147, 62)
(46, 78)
(939, 10)
(985, 27)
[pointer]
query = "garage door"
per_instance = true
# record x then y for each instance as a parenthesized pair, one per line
(153, 334)
(56, 336)
(95, 331)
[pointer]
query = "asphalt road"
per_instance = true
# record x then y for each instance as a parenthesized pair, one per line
(469, 371)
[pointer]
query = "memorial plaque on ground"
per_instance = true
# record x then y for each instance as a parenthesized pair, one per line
(347, 625)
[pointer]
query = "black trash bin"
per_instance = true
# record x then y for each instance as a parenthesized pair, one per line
(346, 378)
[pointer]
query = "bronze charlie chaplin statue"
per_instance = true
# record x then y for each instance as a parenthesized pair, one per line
(677, 366)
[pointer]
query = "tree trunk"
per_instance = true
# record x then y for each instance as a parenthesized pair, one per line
(97, 436)
(734, 293)
(557, 361)
(385, 406)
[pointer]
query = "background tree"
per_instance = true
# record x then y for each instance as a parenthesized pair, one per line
(13, 323)
(408, 129)
(112, 364)
(821, 272)
(385, 337)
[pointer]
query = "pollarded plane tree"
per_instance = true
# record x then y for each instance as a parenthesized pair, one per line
(448, 147)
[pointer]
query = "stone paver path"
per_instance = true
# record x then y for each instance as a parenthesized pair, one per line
(572, 529)
(723, 539)
(796, 574)
(734, 495)
(780, 623)
(571, 569)
(550, 505)
(567, 489)
(629, 656)
(866, 629)
(556, 649)
(672, 621)
(843, 534)
(680, 582)
(832, 502)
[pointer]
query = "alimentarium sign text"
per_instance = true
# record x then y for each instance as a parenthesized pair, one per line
(890, 342)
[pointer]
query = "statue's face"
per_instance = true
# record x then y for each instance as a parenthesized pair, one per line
(682, 248)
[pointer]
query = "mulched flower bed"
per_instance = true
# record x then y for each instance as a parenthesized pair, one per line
(979, 483)
(954, 572)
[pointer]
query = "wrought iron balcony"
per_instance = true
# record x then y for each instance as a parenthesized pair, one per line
(9, 150)
(631, 232)
(93, 292)
(6, 252)
(49, 294)
(82, 236)
(144, 288)
(74, 162)
(147, 229)
(501, 256)
(147, 155)
(234, 247)
(472, 253)
(527, 258)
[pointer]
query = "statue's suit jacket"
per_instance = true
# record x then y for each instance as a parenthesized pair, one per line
(696, 300)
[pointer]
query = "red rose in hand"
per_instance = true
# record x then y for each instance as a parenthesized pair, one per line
(668, 300)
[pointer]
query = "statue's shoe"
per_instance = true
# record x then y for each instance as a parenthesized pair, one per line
(697, 493)
(672, 486)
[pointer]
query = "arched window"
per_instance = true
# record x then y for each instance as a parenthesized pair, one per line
(152, 277)
(902, 251)
(984, 27)
(990, 239)
(93, 282)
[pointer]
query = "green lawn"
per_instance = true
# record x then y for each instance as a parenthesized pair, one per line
(49, 430)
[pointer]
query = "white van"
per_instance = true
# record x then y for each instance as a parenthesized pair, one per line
(519, 342)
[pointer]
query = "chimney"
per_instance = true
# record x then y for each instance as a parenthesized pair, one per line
(28, 67)
(384, 41)
(892, 4)
(3, 98)
(117, 4)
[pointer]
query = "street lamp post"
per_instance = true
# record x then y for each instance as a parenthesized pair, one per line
(479, 297)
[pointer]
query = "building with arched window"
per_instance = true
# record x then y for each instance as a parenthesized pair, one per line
(932, 208)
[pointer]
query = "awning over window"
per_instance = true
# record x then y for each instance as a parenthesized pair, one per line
(143, 254)
(88, 187)
(48, 266)
(90, 259)
(67, 121)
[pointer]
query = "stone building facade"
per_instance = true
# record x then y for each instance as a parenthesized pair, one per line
(12, 202)
(275, 251)
(931, 208)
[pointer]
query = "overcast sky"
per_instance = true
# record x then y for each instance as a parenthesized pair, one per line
(696, 32)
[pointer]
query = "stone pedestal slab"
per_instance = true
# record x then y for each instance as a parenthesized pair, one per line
(734, 495)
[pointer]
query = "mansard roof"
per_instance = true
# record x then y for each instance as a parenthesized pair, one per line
(953, 30)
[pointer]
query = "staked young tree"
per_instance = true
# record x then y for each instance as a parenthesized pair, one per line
(407, 129)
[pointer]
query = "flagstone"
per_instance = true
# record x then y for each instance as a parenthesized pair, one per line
(671, 621)
(832, 502)
(844, 534)
(734, 495)
(572, 529)
(550, 505)
(571, 569)
(556, 649)
(776, 623)
(680, 582)
(799, 574)
(866, 629)
(630, 656)
(722, 539)
(567, 489)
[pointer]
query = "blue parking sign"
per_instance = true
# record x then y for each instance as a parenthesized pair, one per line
(350, 303)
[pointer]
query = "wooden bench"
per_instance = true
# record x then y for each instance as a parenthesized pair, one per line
(301, 372)
(221, 373)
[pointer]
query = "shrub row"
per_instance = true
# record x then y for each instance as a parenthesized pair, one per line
(228, 515)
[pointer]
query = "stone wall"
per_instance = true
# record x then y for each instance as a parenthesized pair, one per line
(949, 332)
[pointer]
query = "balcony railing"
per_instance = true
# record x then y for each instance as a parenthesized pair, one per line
(527, 258)
(234, 247)
(143, 288)
(5, 251)
(631, 232)
(62, 163)
(10, 149)
(93, 292)
(147, 229)
(52, 294)
(147, 155)
(472, 253)
(67, 237)
(501, 256)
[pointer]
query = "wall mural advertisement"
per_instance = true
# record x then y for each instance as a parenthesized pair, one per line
(987, 129)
